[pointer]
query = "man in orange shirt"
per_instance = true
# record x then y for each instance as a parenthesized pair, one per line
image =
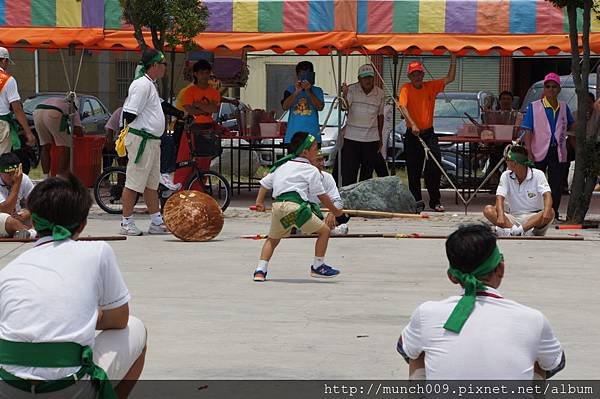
(416, 102)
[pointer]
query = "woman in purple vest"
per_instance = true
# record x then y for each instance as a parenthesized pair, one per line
(546, 122)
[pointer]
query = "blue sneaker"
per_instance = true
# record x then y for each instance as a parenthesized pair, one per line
(260, 275)
(323, 271)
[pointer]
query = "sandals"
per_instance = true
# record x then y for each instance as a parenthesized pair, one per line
(439, 208)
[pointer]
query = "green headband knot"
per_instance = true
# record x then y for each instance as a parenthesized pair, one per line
(306, 144)
(471, 284)
(59, 232)
(9, 168)
(521, 159)
(143, 67)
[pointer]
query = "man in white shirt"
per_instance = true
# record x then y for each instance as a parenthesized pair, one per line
(66, 291)
(15, 187)
(143, 114)
(363, 133)
(478, 334)
(10, 99)
(527, 194)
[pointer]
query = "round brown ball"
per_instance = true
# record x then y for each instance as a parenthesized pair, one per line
(193, 216)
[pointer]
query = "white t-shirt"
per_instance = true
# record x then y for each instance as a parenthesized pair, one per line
(526, 197)
(330, 189)
(501, 340)
(296, 175)
(363, 112)
(143, 100)
(24, 191)
(52, 292)
(9, 94)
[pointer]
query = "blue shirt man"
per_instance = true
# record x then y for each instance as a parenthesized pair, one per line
(304, 101)
(551, 114)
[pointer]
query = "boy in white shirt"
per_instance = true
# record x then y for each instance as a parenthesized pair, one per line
(293, 180)
(53, 299)
(15, 187)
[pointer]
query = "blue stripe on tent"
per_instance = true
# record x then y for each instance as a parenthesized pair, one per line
(363, 16)
(320, 16)
(522, 16)
(2, 12)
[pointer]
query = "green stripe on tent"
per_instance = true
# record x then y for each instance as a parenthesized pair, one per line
(406, 16)
(270, 16)
(112, 14)
(43, 12)
(579, 19)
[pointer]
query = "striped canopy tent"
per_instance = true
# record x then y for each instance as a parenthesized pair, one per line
(373, 26)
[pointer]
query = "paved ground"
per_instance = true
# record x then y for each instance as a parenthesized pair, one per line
(208, 320)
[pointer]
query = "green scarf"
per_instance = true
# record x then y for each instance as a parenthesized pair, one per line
(64, 120)
(53, 354)
(143, 67)
(59, 232)
(14, 131)
(521, 159)
(308, 141)
(302, 214)
(145, 137)
(471, 284)
(9, 168)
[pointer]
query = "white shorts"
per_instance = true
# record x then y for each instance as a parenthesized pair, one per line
(145, 173)
(5, 139)
(3, 218)
(47, 125)
(114, 350)
(523, 217)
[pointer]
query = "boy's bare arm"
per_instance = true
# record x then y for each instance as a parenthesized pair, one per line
(325, 200)
(113, 319)
(260, 199)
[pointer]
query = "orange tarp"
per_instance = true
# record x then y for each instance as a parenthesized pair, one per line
(49, 37)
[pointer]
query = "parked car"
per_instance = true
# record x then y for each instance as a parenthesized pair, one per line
(567, 92)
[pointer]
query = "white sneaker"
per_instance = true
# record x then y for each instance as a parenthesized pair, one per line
(158, 229)
(165, 180)
(517, 230)
(130, 229)
(340, 230)
(503, 232)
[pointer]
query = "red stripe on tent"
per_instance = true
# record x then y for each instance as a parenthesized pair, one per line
(18, 13)
(493, 18)
(345, 15)
(549, 18)
(381, 15)
(295, 16)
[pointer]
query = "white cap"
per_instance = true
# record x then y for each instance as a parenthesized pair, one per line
(365, 71)
(5, 54)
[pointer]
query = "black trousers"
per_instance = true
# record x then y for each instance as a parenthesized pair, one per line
(415, 156)
(363, 156)
(169, 147)
(556, 175)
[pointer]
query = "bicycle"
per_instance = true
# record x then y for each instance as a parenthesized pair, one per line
(203, 142)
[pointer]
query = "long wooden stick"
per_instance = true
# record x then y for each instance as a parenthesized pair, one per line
(91, 238)
(422, 236)
(357, 212)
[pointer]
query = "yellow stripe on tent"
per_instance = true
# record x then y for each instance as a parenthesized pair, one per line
(245, 16)
(432, 16)
(68, 13)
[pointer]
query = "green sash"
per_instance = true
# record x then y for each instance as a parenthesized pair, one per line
(64, 120)
(145, 137)
(303, 214)
(14, 131)
(53, 354)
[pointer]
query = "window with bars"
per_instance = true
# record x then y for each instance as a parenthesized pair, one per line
(125, 72)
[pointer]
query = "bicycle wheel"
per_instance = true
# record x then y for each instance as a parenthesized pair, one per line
(213, 184)
(108, 189)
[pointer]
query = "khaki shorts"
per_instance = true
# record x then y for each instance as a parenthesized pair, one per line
(523, 217)
(5, 139)
(281, 209)
(47, 125)
(145, 173)
(3, 218)
(115, 351)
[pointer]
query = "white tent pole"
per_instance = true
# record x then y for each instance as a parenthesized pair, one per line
(36, 73)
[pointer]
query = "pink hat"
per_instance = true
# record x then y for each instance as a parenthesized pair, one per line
(552, 77)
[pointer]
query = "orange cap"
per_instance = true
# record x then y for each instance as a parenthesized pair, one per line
(415, 66)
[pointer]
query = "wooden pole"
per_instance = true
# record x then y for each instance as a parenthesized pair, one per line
(356, 212)
(99, 238)
(422, 236)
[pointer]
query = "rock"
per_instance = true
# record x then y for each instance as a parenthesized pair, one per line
(386, 194)
(247, 169)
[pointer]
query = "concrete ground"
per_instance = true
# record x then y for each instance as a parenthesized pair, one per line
(207, 319)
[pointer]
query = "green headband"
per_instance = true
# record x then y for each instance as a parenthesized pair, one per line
(306, 144)
(59, 232)
(9, 168)
(521, 159)
(155, 60)
(471, 284)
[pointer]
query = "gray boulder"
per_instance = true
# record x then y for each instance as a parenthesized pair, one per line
(249, 161)
(386, 194)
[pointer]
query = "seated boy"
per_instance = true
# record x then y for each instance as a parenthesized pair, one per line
(55, 296)
(293, 180)
(15, 187)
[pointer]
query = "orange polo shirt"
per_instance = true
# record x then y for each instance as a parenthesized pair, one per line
(195, 94)
(420, 102)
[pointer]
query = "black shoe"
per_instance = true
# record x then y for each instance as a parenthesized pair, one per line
(420, 206)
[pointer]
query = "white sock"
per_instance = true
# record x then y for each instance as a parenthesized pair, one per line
(262, 265)
(126, 220)
(156, 218)
(516, 230)
(319, 260)
(32, 233)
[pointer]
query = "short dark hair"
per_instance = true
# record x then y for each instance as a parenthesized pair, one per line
(201, 65)
(304, 66)
(469, 246)
(9, 159)
(148, 55)
(506, 93)
(518, 149)
(591, 96)
(60, 200)
(297, 140)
